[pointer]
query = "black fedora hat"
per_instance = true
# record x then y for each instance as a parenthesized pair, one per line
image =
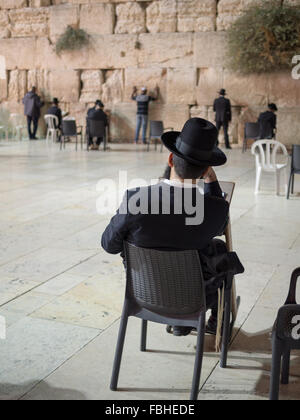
(222, 92)
(273, 107)
(196, 143)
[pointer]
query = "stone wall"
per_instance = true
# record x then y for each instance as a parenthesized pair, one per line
(178, 45)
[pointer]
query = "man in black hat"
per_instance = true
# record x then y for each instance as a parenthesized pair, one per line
(96, 114)
(222, 108)
(267, 123)
(193, 153)
(55, 110)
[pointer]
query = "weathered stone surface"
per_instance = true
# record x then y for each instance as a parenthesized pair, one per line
(246, 91)
(230, 10)
(196, 15)
(162, 16)
(12, 4)
(209, 49)
(181, 86)
(113, 88)
(92, 81)
(131, 19)
(148, 77)
(288, 126)
(3, 89)
(210, 81)
(61, 17)
(17, 85)
(77, 110)
(97, 18)
(39, 3)
(166, 50)
(283, 90)
(199, 112)
(64, 84)
(4, 25)
(29, 22)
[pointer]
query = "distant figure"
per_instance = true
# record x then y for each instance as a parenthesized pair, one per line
(55, 110)
(268, 122)
(32, 109)
(143, 101)
(96, 114)
(222, 108)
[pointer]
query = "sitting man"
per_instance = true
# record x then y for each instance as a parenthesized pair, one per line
(193, 153)
(267, 123)
(55, 110)
(96, 114)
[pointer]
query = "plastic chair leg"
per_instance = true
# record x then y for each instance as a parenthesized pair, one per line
(289, 186)
(226, 329)
(293, 183)
(275, 373)
(199, 358)
(144, 335)
(258, 180)
(278, 179)
(286, 367)
(119, 351)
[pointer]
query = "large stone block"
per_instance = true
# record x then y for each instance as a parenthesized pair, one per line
(113, 88)
(123, 122)
(17, 86)
(252, 90)
(3, 89)
(173, 116)
(131, 19)
(4, 25)
(61, 17)
(12, 4)
(162, 16)
(39, 3)
(288, 126)
(91, 81)
(65, 85)
(77, 110)
(166, 50)
(209, 49)
(283, 90)
(149, 77)
(181, 86)
(210, 81)
(196, 15)
(97, 18)
(29, 22)
(19, 52)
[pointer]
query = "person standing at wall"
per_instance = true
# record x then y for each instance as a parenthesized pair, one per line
(143, 101)
(32, 110)
(222, 108)
(96, 114)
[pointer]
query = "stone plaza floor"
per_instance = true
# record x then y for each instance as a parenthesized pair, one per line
(61, 294)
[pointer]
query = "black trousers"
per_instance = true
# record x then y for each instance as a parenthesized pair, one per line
(35, 121)
(99, 141)
(225, 125)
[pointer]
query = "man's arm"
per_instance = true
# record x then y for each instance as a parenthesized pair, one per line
(134, 93)
(211, 184)
(116, 232)
(156, 94)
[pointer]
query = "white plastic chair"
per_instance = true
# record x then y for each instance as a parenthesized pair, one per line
(52, 122)
(266, 152)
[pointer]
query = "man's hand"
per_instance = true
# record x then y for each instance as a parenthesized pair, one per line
(210, 176)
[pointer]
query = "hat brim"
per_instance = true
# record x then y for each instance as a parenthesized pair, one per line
(218, 158)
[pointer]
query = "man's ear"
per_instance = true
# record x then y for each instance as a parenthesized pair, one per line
(170, 161)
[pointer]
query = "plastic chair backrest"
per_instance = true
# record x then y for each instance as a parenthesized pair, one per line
(164, 282)
(51, 121)
(251, 130)
(266, 152)
(69, 128)
(156, 128)
(296, 157)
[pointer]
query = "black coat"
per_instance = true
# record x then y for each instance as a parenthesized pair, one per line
(167, 231)
(222, 108)
(97, 115)
(267, 125)
(32, 105)
(55, 110)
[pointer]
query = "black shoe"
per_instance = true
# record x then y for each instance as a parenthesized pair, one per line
(182, 331)
(212, 325)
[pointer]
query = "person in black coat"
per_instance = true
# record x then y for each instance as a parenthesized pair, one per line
(268, 122)
(96, 114)
(154, 217)
(55, 110)
(222, 108)
(32, 110)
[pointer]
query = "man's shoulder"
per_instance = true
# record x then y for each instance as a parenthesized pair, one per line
(216, 204)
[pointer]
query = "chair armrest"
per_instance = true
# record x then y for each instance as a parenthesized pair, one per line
(291, 299)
